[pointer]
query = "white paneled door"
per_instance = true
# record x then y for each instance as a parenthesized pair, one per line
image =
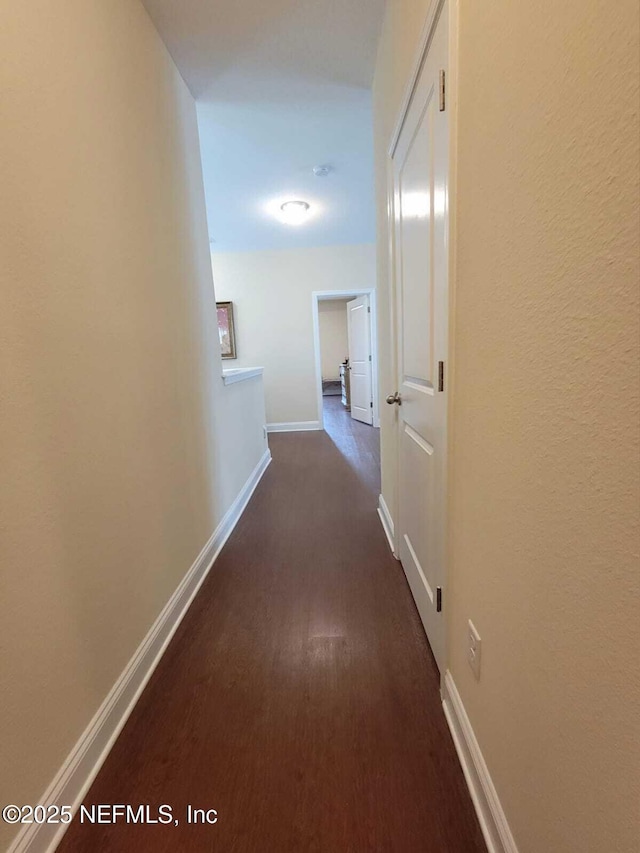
(420, 177)
(359, 328)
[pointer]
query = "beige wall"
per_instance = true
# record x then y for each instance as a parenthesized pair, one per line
(113, 420)
(544, 425)
(334, 337)
(271, 292)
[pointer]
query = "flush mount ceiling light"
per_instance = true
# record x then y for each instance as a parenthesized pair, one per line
(294, 212)
(321, 171)
(291, 210)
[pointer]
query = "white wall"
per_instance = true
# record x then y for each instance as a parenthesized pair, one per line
(543, 473)
(334, 337)
(271, 292)
(120, 448)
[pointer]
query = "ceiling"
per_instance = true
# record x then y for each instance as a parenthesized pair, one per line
(281, 86)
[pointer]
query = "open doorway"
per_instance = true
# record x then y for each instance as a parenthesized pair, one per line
(345, 345)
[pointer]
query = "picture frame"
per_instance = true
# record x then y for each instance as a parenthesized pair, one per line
(226, 329)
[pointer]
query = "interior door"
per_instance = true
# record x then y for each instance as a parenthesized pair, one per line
(359, 329)
(420, 176)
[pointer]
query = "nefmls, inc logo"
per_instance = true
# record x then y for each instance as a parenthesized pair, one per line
(143, 814)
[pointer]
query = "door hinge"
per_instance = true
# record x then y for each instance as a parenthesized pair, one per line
(441, 376)
(371, 404)
(438, 599)
(368, 309)
(369, 358)
(442, 91)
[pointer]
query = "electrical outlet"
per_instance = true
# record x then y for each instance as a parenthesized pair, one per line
(474, 648)
(264, 431)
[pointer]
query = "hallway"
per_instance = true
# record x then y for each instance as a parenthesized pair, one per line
(298, 698)
(358, 443)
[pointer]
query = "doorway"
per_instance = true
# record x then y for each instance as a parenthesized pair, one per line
(419, 159)
(337, 327)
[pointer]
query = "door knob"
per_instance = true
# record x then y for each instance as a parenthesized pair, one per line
(394, 398)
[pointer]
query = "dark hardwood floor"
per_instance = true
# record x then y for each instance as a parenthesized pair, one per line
(299, 697)
(357, 442)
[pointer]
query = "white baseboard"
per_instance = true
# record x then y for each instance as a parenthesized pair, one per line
(387, 524)
(294, 426)
(493, 821)
(87, 757)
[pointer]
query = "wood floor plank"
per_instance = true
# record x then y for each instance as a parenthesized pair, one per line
(299, 697)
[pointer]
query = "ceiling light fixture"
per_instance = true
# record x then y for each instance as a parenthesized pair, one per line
(321, 171)
(294, 212)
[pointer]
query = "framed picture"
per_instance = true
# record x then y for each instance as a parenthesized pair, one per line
(226, 329)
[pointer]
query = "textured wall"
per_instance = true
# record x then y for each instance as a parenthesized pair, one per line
(544, 427)
(271, 292)
(112, 428)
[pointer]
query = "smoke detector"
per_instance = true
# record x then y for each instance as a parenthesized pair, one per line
(321, 171)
